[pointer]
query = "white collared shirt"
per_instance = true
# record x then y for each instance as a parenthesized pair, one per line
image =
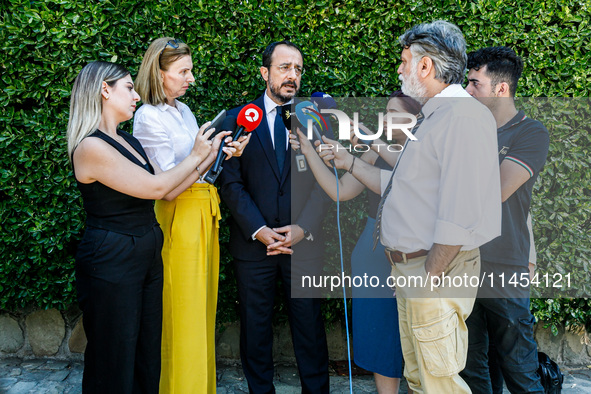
(446, 188)
(271, 109)
(166, 133)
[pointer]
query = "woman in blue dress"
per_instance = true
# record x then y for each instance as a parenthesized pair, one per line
(376, 337)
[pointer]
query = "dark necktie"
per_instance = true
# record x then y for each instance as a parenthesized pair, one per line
(280, 139)
(376, 230)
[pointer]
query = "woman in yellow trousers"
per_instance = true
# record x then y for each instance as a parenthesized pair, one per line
(189, 218)
(191, 256)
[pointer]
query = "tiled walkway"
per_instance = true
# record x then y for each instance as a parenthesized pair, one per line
(56, 377)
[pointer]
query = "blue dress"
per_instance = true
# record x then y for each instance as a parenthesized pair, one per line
(376, 335)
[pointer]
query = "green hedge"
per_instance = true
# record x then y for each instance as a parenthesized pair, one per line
(350, 50)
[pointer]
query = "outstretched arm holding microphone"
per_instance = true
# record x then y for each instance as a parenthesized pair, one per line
(349, 186)
(361, 170)
(342, 159)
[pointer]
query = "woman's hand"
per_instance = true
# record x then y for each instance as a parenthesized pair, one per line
(301, 141)
(228, 148)
(294, 142)
(202, 145)
(239, 145)
(333, 150)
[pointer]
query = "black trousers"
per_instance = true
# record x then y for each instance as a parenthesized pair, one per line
(507, 323)
(257, 283)
(119, 283)
(494, 368)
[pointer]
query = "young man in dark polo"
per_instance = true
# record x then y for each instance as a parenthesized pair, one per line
(501, 314)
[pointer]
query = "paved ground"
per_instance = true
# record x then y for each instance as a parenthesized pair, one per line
(56, 377)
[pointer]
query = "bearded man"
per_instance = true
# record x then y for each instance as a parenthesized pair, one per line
(276, 223)
(439, 204)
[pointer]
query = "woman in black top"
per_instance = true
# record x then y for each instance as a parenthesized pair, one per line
(118, 264)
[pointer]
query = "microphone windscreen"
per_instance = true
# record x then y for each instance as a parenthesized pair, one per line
(289, 119)
(229, 124)
(303, 113)
(250, 117)
(323, 100)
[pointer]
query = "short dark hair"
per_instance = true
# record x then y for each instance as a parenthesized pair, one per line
(502, 65)
(268, 52)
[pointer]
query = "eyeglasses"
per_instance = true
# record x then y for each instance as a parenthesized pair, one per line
(173, 43)
(285, 69)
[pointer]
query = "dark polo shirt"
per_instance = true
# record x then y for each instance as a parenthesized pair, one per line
(524, 141)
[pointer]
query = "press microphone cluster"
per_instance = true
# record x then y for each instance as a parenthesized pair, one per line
(308, 114)
(248, 119)
(297, 117)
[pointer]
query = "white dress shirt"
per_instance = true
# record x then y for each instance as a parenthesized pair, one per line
(446, 188)
(166, 133)
(271, 112)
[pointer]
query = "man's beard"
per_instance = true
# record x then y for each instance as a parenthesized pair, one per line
(276, 91)
(411, 86)
(491, 102)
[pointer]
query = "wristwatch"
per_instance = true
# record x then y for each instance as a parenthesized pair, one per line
(307, 235)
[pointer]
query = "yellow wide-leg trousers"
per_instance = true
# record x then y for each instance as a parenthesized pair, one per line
(191, 256)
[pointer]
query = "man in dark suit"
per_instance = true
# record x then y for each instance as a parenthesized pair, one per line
(275, 224)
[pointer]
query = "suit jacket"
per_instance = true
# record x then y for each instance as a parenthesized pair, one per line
(258, 194)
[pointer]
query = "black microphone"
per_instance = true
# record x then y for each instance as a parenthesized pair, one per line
(229, 124)
(290, 120)
(248, 119)
(324, 101)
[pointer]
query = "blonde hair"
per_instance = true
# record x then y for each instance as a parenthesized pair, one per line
(159, 56)
(86, 103)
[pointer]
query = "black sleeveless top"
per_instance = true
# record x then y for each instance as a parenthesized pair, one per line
(111, 210)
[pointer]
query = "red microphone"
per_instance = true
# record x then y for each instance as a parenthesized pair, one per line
(248, 119)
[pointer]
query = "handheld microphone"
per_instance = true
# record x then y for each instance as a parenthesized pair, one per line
(229, 124)
(307, 112)
(248, 119)
(290, 120)
(324, 100)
